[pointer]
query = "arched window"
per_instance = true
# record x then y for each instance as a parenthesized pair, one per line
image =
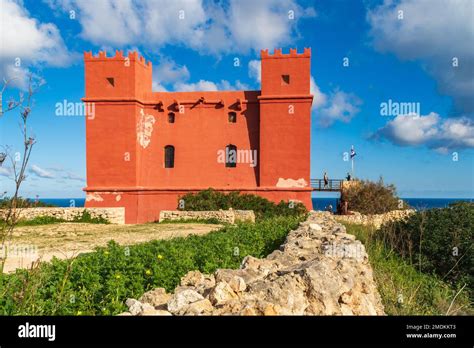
(231, 156)
(169, 156)
(232, 117)
(171, 117)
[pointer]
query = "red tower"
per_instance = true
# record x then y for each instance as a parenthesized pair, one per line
(145, 148)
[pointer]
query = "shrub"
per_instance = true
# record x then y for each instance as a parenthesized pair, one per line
(436, 241)
(368, 197)
(403, 288)
(86, 217)
(100, 282)
(263, 208)
(40, 220)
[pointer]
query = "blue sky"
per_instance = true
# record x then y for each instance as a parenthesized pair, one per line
(404, 51)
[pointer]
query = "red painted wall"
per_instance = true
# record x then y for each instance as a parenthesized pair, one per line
(129, 129)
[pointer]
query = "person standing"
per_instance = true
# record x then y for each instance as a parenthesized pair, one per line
(326, 180)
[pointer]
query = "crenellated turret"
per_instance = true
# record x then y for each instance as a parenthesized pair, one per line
(118, 77)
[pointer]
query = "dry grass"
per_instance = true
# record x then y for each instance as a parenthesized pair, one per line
(66, 240)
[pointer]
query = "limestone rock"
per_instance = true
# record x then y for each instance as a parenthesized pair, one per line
(181, 299)
(158, 298)
(237, 284)
(315, 227)
(201, 282)
(222, 293)
(134, 306)
(199, 307)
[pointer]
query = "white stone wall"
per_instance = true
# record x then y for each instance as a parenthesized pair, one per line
(375, 220)
(228, 216)
(113, 215)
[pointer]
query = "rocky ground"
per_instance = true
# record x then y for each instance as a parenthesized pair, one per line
(319, 270)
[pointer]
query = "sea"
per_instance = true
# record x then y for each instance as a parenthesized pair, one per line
(318, 203)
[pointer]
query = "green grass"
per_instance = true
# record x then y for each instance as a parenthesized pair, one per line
(403, 288)
(40, 220)
(98, 283)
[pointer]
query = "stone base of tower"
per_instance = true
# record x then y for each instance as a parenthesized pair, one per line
(144, 205)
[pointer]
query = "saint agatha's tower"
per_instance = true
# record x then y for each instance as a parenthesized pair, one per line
(145, 149)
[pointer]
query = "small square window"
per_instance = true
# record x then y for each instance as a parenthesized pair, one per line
(285, 79)
(232, 117)
(111, 81)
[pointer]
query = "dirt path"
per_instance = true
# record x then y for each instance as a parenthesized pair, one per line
(65, 240)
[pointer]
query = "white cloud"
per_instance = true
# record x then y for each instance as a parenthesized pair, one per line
(319, 98)
(168, 72)
(206, 26)
(327, 108)
(71, 176)
(430, 130)
(25, 41)
(201, 85)
(171, 76)
(433, 32)
(6, 171)
(336, 106)
(255, 70)
(340, 106)
(204, 85)
(42, 173)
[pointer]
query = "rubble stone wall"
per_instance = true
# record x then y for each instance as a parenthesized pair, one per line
(375, 220)
(113, 215)
(229, 216)
(319, 270)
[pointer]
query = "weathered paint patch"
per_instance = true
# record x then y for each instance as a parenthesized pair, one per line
(286, 183)
(118, 198)
(145, 128)
(94, 197)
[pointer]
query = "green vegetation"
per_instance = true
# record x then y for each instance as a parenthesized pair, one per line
(368, 197)
(40, 220)
(98, 283)
(404, 288)
(437, 241)
(263, 208)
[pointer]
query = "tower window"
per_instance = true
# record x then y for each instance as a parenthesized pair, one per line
(232, 117)
(285, 79)
(111, 81)
(231, 156)
(169, 156)
(171, 117)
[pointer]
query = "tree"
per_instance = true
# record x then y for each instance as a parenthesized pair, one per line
(19, 161)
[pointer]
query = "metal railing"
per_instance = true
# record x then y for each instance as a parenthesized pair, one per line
(332, 185)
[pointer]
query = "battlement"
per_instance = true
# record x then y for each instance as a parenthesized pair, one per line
(132, 57)
(277, 53)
